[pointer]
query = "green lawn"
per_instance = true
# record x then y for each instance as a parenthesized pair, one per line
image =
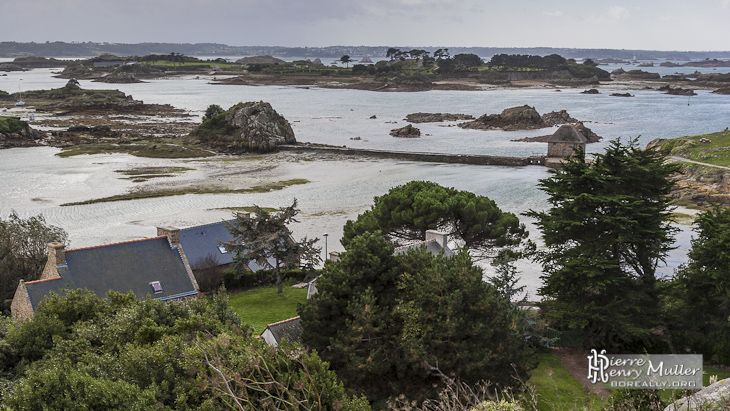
(716, 152)
(262, 305)
(557, 389)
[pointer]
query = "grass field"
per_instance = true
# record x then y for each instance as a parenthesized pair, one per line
(262, 305)
(716, 151)
(557, 389)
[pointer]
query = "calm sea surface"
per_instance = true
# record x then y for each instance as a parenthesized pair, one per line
(34, 180)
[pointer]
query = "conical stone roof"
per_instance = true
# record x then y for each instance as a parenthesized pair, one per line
(567, 134)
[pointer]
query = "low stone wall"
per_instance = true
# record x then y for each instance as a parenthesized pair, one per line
(480, 160)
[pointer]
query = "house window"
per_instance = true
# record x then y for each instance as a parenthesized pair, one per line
(222, 249)
(156, 287)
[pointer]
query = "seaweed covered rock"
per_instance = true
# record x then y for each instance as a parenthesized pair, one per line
(677, 91)
(246, 127)
(17, 133)
(558, 117)
(514, 118)
(436, 117)
(408, 131)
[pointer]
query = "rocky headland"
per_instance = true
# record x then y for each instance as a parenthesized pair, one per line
(17, 133)
(71, 116)
(245, 127)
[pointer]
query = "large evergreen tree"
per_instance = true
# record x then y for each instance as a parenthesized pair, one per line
(606, 232)
(23, 243)
(391, 325)
(405, 213)
(698, 301)
(266, 238)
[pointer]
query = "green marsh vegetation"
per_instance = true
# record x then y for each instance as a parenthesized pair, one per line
(151, 193)
(156, 148)
(142, 174)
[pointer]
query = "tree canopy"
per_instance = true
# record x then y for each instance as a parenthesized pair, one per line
(699, 294)
(402, 324)
(605, 233)
(266, 238)
(23, 244)
(81, 352)
(405, 213)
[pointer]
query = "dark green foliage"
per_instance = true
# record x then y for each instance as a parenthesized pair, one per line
(363, 69)
(23, 245)
(467, 60)
(517, 61)
(393, 325)
(214, 128)
(11, 125)
(406, 212)
(345, 59)
(249, 279)
(124, 353)
(212, 111)
(698, 298)
(588, 71)
(266, 239)
(552, 62)
(605, 233)
(67, 388)
(505, 281)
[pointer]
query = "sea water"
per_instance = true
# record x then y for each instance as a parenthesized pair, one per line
(36, 181)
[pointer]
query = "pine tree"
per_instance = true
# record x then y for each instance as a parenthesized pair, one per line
(267, 239)
(606, 232)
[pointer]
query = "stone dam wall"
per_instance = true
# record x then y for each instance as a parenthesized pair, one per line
(473, 159)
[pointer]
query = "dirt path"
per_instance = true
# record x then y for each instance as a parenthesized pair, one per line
(577, 365)
(686, 160)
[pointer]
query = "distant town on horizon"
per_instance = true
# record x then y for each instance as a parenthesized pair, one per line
(10, 49)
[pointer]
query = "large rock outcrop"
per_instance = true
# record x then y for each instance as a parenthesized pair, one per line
(17, 133)
(408, 131)
(515, 118)
(555, 118)
(589, 135)
(436, 117)
(246, 127)
(714, 397)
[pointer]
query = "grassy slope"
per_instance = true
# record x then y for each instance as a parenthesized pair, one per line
(261, 306)
(557, 389)
(716, 152)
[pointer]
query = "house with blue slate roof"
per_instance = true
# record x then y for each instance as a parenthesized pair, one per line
(203, 241)
(154, 267)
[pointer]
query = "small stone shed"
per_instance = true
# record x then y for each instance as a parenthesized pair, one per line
(565, 141)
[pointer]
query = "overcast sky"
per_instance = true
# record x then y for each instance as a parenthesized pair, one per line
(628, 24)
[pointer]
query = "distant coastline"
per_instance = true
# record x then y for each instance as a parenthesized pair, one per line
(10, 49)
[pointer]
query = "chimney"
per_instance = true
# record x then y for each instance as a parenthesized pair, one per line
(56, 260)
(439, 237)
(172, 234)
(244, 215)
(334, 256)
